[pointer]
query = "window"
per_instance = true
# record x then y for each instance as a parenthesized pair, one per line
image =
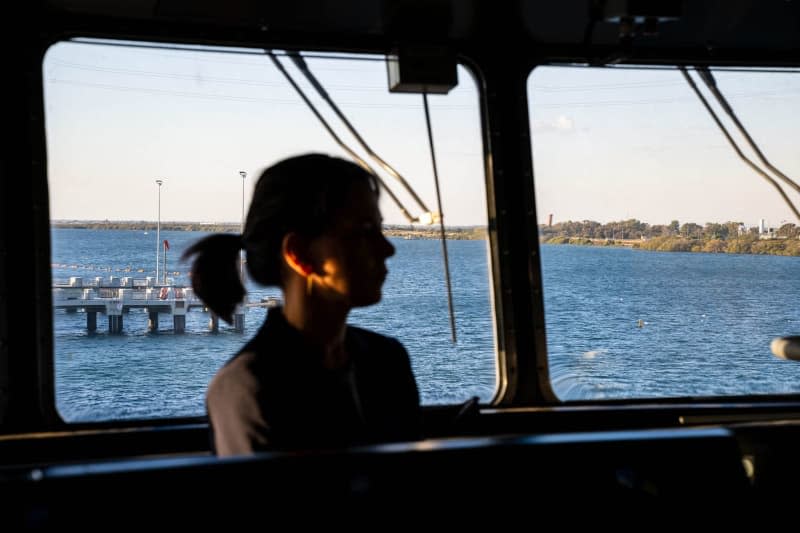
(668, 265)
(151, 147)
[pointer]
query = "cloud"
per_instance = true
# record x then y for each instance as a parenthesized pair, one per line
(558, 124)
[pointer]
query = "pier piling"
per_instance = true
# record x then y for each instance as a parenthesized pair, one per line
(152, 322)
(178, 308)
(238, 322)
(114, 313)
(115, 324)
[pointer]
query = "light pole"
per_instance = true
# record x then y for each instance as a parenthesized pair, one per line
(243, 174)
(158, 226)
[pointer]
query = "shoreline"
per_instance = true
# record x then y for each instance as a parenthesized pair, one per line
(776, 247)
(401, 231)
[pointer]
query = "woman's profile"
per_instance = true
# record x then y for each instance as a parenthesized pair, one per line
(307, 379)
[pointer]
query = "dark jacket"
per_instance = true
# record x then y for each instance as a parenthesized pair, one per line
(275, 393)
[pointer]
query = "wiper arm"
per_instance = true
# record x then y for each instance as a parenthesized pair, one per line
(706, 76)
(338, 140)
(426, 217)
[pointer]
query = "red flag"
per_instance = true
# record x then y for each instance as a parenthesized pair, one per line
(166, 244)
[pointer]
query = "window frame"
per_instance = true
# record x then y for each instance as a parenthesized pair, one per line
(47, 350)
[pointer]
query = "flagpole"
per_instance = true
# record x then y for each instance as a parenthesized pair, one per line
(243, 174)
(158, 226)
(166, 247)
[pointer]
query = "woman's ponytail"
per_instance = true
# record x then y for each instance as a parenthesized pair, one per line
(215, 276)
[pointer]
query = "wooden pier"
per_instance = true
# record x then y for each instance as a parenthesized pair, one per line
(115, 297)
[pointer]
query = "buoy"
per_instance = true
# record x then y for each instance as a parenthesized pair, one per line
(640, 323)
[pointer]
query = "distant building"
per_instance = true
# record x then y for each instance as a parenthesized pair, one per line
(550, 220)
(765, 232)
(742, 230)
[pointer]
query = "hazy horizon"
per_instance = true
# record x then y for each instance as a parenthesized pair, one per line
(224, 223)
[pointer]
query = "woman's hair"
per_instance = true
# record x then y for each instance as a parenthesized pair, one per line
(301, 194)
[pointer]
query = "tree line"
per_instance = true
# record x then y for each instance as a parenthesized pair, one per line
(402, 231)
(727, 237)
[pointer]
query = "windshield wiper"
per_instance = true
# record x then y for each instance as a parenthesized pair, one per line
(708, 79)
(426, 217)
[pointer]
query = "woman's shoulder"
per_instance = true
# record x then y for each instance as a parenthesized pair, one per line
(238, 375)
(367, 342)
(372, 337)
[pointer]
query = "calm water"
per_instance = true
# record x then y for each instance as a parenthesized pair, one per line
(707, 324)
(139, 374)
(708, 320)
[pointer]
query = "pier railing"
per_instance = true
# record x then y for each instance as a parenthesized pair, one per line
(115, 297)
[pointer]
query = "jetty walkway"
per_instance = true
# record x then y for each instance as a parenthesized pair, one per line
(116, 296)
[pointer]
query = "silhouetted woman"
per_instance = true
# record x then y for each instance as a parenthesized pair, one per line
(307, 379)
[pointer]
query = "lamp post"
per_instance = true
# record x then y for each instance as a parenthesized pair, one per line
(243, 174)
(158, 227)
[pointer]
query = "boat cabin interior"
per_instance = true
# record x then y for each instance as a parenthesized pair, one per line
(588, 367)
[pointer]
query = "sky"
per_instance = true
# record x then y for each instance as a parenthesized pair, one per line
(608, 144)
(614, 144)
(119, 118)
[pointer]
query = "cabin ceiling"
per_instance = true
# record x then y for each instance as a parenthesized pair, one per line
(758, 26)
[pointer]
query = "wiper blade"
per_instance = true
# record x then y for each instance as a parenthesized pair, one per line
(708, 79)
(358, 159)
